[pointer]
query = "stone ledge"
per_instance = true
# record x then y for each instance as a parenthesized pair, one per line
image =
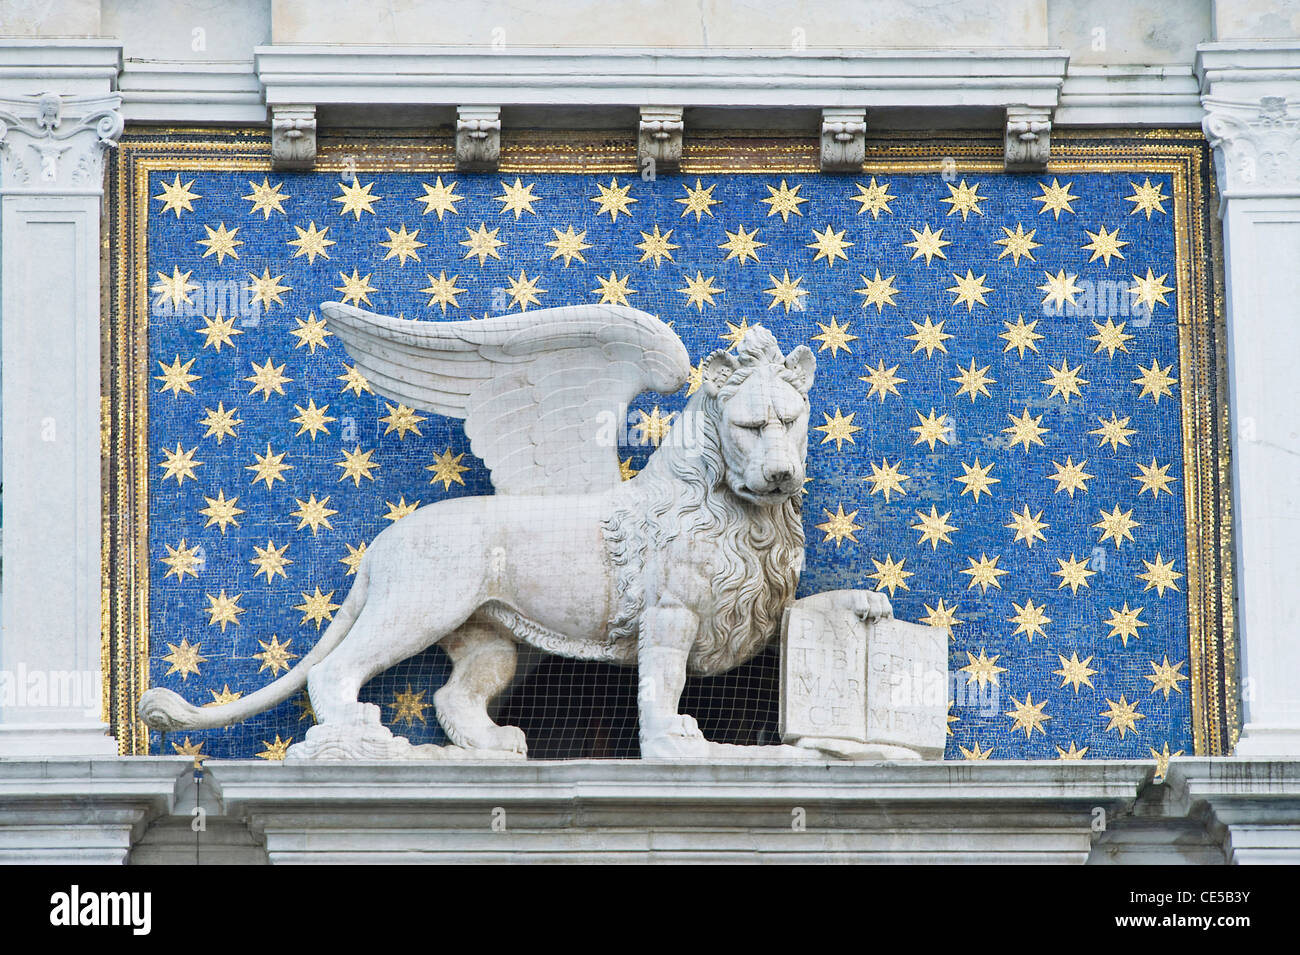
(1207, 811)
(130, 777)
(242, 783)
(98, 810)
(633, 811)
(82, 811)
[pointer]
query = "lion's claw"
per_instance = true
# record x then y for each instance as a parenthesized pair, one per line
(677, 726)
(674, 746)
(868, 605)
(685, 726)
(509, 738)
(876, 609)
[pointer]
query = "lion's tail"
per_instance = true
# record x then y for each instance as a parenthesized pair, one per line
(164, 710)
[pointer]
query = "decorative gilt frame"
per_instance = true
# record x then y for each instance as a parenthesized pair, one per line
(1183, 154)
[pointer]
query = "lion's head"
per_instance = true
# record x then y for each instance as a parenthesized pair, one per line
(761, 416)
(733, 477)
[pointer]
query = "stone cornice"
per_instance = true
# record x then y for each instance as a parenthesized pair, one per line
(1222, 65)
(186, 91)
(66, 66)
(1129, 96)
(190, 92)
(326, 75)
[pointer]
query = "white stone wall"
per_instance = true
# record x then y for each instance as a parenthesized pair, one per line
(1094, 32)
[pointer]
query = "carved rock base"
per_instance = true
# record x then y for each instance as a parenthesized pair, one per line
(851, 749)
(677, 747)
(367, 738)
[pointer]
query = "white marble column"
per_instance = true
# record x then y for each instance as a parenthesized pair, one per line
(1251, 95)
(51, 190)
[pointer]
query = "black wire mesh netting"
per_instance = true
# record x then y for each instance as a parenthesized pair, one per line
(573, 709)
(577, 709)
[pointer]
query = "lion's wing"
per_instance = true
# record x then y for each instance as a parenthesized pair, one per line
(542, 393)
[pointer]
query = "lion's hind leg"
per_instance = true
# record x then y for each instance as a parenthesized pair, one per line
(483, 664)
(345, 727)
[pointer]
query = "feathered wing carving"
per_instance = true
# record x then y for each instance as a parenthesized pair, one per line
(543, 394)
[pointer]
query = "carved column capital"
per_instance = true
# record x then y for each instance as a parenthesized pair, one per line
(659, 139)
(1028, 138)
(293, 137)
(52, 143)
(844, 139)
(1256, 145)
(478, 138)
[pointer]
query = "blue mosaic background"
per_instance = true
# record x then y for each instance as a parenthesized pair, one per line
(838, 317)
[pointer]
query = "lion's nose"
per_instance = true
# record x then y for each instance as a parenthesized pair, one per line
(779, 477)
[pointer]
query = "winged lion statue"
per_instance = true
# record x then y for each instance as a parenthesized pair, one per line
(687, 567)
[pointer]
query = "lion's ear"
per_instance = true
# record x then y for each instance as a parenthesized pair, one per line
(718, 369)
(802, 362)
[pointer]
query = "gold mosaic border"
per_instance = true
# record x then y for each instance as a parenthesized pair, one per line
(1198, 248)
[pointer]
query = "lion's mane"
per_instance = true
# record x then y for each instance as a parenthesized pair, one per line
(683, 490)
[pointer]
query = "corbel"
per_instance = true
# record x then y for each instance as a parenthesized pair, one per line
(478, 138)
(844, 139)
(293, 137)
(659, 139)
(1028, 138)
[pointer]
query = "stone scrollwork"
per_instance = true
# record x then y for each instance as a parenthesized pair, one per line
(50, 143)
(293, 137)
(1256, 146)
(659, 138)
(478, 138)
(1028, 138)
(844, 139)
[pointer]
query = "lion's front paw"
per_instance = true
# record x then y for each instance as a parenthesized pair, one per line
(867, 605)
(678, 724)
(675, 746)
(870, 605)
(508, 738)
(674, 726)
(684, 725)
